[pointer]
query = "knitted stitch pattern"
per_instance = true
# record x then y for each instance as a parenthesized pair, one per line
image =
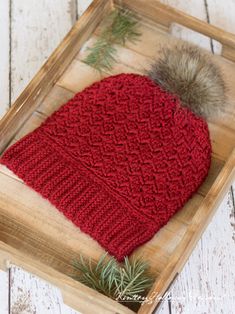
(118, 160)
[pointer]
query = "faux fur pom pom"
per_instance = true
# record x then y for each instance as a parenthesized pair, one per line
(187, 72)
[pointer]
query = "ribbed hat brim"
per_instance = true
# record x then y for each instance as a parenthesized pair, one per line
(79, 195)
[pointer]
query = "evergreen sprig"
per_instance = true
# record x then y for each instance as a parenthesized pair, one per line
(121, 26)
(99, 277)
(112, 279)
(133, 278)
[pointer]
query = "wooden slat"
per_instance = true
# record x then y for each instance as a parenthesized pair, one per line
(163, 308)
(193, 8)
(227, 116)
(65, 309)
(38, 88)
(132, 56)
(82, 6)
(74, 293)
(152, 39)
(31, 51)
(215, 168)
(4, 292)
(167, 15)
(82, 76)
(228, 53)
(206, 283)
(5, 56)
(55, 98)
(30, 294)
(222, 16)
(151, 36)
(187, 213)
(222, 140)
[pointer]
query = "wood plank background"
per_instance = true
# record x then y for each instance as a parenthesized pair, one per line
(30, 30)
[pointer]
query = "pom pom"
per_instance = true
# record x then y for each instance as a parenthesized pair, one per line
(187, 72)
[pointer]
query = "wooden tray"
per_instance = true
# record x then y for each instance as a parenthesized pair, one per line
(33, 234)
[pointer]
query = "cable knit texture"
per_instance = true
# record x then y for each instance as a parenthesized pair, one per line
(118, 160)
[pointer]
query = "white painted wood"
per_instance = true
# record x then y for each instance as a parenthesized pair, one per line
(206, 284)
(164, 307)
(4, 292)
(68, 310)
(82, 6)
(4, 59)
(222, 14)
(30, 294)
(37, 28)
(195, 8)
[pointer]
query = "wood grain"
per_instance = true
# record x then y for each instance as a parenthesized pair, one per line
(73, 292)
(222, 16)
(206, 283)
(26, 211)
(38, 88)
(32, 46)
(30, 294)
(164, 307)
(5, 56)
(193, 8)
(167, 15)
(4, 292)
(82, 6)
(54, 99)
(65, 309)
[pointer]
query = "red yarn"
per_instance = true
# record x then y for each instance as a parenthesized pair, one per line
(119, 159)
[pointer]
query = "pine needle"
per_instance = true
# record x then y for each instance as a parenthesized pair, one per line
(134, 278)
(112, 279)
(121, 27)
(98, 276)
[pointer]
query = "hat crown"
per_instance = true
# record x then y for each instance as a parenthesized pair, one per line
(137, 138)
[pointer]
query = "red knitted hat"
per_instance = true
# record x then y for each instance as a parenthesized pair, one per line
(118, 160)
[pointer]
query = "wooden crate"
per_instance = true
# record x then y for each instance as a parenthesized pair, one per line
(33, 234)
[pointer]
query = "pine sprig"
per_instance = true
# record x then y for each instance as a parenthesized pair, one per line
(121, 27)
(101, 56)
(134, 278)
(112, 279)
(99, 277)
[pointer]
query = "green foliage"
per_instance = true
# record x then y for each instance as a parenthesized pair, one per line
(133, 278)
(100, 276)
(112, 279)
(121, 27)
